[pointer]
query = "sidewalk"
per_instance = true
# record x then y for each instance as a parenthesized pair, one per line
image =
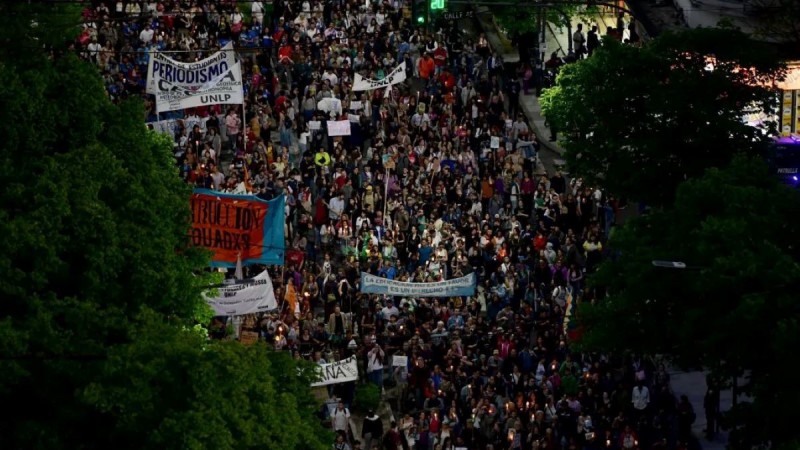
(500, 44)
(693, 385)
(385, 413)
(528, 103)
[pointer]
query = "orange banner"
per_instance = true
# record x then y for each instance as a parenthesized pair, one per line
(232, 225)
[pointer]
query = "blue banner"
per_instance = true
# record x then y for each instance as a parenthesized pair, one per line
(233, 226)
(457, 287)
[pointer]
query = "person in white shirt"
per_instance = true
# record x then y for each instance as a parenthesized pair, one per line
(257, 12)
(330, 76)
(237, 17)
(146, 36)
(340, 418)
(362, 220)
(336, 207)
(388, 311)
(640, 398)
(94, 48)
(375, 365)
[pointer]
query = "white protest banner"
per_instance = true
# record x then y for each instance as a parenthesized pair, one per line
(399, 361)
(495, 142)
(456, 287)
(245, 297)
(226, 90)
(314, 125)
(168, 126)
(191, 121)
(353, 118)
(330, 104)
(338, 128)
(165, 73)
(338, 372)
(355, 105)
(398, 75)
(164, 126)
(212, 81)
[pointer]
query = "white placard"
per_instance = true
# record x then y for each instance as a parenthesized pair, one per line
(338, 372)
(495, 142)
(247, 297)
(314, 125)
(355, 105)
(399, 361)
(353, 118)
(338, 128)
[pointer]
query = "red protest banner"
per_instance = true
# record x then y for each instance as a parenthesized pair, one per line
(228, 226)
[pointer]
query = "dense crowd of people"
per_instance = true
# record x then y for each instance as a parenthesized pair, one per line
(438, 179)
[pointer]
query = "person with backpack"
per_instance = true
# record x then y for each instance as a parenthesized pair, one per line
(341, 418)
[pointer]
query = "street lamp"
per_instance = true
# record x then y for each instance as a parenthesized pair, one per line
(669, 264)
(662, 264)
(682, 265)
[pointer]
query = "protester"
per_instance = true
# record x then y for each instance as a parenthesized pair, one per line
(372, 429)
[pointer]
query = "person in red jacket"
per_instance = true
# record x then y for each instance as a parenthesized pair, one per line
(426, 67)
(504, 345)
(440, 58)
(446, 79)
(539, 242)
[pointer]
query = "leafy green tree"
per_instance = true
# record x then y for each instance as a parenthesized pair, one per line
(526, 18)
(101, 291)
(190, 394)
(640, 120)
(733, 309)
(36, 25)
(514, 20)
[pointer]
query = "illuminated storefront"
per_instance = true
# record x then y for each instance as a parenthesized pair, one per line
(790, 101)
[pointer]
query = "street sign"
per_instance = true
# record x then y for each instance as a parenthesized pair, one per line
(455, 15)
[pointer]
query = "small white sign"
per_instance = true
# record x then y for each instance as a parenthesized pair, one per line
(338, 128)
(399, 361)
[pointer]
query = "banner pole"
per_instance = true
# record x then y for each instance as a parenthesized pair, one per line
(244, 124)
(283, 291)
(386, 196)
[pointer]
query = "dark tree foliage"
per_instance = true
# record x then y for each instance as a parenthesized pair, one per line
(641, 120)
